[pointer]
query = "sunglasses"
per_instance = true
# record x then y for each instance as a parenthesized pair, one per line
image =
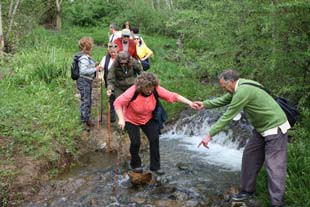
(112, 46)
(136, 38)
(123, 63)
(126, 36)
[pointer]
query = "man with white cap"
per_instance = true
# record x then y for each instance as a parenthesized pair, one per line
(126, 44)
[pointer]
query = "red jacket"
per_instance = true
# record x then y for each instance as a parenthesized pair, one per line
(131, 47)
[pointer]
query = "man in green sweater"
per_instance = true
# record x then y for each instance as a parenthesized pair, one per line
(269, 139)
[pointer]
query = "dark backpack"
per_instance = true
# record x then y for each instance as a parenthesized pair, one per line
(159, 113)
(75, 69)
(290, 110)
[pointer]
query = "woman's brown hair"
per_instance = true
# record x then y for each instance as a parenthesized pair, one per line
(145, 80)
(86, 44)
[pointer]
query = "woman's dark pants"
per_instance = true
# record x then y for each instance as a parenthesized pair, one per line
(151, 131)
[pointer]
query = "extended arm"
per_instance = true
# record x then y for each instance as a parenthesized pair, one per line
(184, 100)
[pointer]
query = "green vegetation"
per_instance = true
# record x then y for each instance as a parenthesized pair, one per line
(264, 40)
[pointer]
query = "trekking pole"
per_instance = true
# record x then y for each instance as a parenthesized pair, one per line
(101, 96)
(109, 128)
(119, 154)
(101, 102)
(117, 171)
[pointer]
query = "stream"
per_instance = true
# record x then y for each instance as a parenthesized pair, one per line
(193, 176)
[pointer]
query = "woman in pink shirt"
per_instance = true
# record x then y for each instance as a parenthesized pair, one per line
(137, 113)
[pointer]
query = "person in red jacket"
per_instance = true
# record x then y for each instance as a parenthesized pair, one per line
(126, 44)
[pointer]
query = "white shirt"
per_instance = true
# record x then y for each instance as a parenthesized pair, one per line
(102, 62)
(114, 36)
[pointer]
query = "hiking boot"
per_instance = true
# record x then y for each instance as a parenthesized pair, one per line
(89, 123)
(241, 196)
(277, 205)
(158, 172)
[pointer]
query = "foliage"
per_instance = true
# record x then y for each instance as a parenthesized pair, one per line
(140, 14)
(96, 12)
(90, 13)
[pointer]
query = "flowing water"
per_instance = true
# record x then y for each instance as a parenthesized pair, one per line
(194, 176)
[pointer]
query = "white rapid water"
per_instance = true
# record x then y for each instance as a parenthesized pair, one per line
(221, 152)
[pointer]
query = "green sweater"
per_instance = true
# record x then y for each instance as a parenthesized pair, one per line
(262, 110)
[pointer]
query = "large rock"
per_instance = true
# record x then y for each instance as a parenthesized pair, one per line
(140, 178)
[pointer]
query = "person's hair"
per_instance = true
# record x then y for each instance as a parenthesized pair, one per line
(122, 56)
(138, 36)
(144, 80)
(229, 75)
(124, 25)
(86, 44)
(135, 30)
(114, 26)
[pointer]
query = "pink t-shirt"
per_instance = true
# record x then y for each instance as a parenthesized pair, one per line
(139, 111)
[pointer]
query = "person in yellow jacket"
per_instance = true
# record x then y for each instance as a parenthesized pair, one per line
(143, 52)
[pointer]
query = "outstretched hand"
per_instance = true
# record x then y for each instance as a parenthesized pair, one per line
(205, 141)
(194, 105)
(199, 105)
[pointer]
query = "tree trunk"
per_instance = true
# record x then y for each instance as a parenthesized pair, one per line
(1, 32)
(58, 14)
(157, 4)
(273, 28)
(273, 65)
(169, 4)
(12, 13)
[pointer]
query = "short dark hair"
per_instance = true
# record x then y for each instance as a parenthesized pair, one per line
(135, 30)
(114, 26)
(229, 75)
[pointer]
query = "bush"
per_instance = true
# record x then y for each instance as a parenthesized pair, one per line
(90, 13)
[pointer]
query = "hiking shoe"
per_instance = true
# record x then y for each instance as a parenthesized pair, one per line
(243, 195)
(158, 172)
(137, 170)
(89, 123)
(277, 206)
